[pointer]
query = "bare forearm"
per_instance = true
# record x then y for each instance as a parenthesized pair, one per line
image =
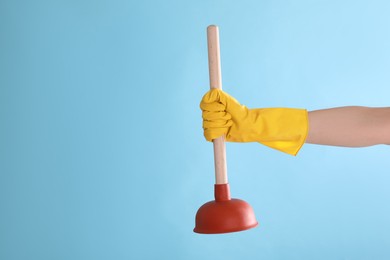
(349, 126)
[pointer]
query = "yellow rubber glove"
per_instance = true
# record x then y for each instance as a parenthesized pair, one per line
(284, 129)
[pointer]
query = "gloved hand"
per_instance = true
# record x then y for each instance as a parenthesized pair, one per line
(284, 129)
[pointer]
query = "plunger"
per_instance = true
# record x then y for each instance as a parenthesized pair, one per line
(224, 214)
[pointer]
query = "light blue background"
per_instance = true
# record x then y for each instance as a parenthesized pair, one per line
(102, 154)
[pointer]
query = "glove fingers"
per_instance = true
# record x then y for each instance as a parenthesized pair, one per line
(216, 128)
(214, 133)
(218, 100)
(207, 125)
(212, 107)
(219, 115)
(218, 111)
(211, 101)
(211, 96)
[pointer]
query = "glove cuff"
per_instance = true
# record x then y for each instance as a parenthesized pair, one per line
(284, 129)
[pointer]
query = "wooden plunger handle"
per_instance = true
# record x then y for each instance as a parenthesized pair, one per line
(216, 82)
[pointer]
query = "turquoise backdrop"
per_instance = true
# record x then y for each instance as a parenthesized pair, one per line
(102, 154)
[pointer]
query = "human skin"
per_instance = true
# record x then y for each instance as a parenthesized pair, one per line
(352, 126)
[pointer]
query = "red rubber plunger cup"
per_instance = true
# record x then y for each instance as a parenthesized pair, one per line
(222, 215)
